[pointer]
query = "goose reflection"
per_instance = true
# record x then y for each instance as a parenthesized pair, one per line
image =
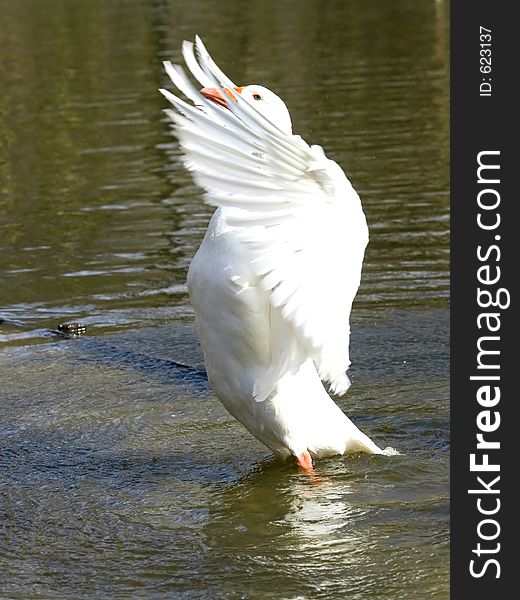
(287, 525)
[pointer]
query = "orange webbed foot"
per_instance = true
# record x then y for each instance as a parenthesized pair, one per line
(304, 461)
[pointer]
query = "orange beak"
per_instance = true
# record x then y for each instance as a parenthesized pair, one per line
(215, 95)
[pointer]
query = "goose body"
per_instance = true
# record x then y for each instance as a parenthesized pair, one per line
(273, 281)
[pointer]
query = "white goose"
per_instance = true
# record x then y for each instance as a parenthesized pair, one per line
(273, 281)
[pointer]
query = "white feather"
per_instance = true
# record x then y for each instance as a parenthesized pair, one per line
(298, 236)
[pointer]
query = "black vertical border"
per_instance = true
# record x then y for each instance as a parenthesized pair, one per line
(477, 124)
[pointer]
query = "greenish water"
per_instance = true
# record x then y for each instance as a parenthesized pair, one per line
(120, 474)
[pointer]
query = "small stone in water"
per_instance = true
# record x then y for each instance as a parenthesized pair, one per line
(72, 328)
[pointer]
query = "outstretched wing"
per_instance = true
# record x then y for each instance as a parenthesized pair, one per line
(294, 210)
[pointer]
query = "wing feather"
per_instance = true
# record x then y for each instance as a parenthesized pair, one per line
(294, 211)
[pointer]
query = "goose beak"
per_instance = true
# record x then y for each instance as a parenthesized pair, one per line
(215, 96)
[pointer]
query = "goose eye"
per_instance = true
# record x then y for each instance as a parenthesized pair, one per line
(257, 97)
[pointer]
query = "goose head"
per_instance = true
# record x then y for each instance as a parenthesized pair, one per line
(266, 102)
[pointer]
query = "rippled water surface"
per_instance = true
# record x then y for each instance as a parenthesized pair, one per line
(121, 476)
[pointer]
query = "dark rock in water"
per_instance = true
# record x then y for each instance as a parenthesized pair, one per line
(73, 329)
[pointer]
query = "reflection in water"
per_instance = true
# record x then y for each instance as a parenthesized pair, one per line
(320, 536)
(317, 511)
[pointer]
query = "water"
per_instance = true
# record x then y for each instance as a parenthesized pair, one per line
(120, 474)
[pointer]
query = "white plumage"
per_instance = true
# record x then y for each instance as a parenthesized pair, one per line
(273, 281)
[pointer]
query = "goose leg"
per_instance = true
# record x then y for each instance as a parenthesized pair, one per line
(304, 461)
